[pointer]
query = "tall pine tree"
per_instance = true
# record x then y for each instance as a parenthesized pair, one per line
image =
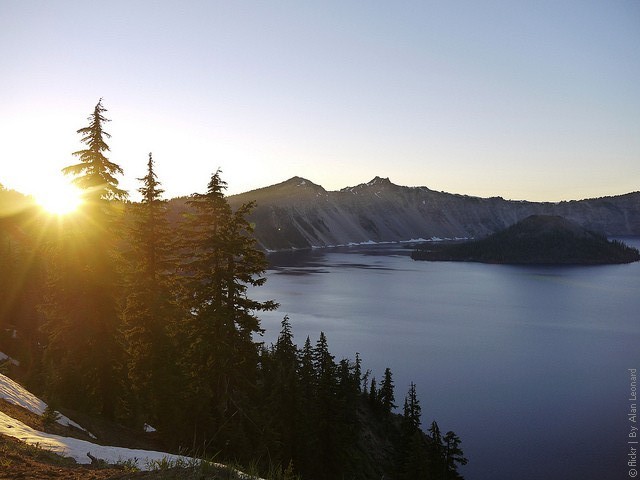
(83, 354)
(95, 175)
(412, 449)
(282, 402)
(150, 307)
(454, 455)
(220, 262)
(385, 395)
(308, 458)
(412, 410)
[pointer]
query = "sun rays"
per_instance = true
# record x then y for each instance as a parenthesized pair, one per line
(59, 197)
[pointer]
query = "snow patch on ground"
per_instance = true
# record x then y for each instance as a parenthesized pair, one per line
(75, 448)
(15, 393)
(4, 356)
(148, 428)
(78, 449)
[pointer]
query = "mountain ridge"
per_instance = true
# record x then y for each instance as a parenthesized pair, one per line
(299, 213)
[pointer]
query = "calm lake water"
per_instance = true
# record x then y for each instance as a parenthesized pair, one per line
(528, 365)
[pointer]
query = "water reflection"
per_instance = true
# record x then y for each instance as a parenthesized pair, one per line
(527, 364)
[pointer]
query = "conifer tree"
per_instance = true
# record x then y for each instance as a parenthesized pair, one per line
(416, 464)
(349, 384)
(306, 370)
(329, 409)
(22, 279)
(373, 393)
(346, 420)
(454, 455)
(284, 399)
(220, 262)
(83, 354)
(150, 308)
(412, 409)
(436, 436)
(412, 449)
(435, 452)
(357, 372)
(307, 461)
(323, 363)
(365, 383)
(286, 351)
(95, 175)
(386, 396)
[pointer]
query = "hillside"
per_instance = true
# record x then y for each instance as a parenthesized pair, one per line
(171, 344)
(538, 239)
(33, 445)
(300, 214)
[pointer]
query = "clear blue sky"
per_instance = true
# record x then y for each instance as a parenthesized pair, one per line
(527, 100)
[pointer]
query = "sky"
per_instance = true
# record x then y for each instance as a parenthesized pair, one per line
(525, 100)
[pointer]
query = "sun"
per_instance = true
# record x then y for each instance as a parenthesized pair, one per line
(59, 198)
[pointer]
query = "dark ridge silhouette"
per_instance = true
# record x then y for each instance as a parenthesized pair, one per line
(538, 239)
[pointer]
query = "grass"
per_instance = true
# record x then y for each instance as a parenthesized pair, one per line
(35, 461)
(194, 469)
(9, 450)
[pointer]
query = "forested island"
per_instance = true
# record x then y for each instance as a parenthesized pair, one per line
(113, 313)
(538, 239)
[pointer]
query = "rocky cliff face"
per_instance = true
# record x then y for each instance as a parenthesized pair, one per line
(300, 214)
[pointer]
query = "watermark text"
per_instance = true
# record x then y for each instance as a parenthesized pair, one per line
(632, 416)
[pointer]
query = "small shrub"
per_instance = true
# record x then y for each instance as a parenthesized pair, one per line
(165, 463)
(50, 416)
(279, 474)
(129, 464)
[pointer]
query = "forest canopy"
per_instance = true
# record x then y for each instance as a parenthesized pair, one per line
(113, 312)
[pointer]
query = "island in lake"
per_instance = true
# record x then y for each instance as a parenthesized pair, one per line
(538, 239)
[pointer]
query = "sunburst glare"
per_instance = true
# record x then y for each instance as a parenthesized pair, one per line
(60, 197)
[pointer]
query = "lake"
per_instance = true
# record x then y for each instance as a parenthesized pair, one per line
(529, 365)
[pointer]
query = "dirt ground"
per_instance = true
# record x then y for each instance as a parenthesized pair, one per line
(20, 461)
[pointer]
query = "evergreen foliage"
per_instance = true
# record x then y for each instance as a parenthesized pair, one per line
(96, 174)
(386, 396)
(150, 307)
(147, 325)
(22, 281)
(452, 452)
(412, 410)
(219, 262)
(83, 355)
